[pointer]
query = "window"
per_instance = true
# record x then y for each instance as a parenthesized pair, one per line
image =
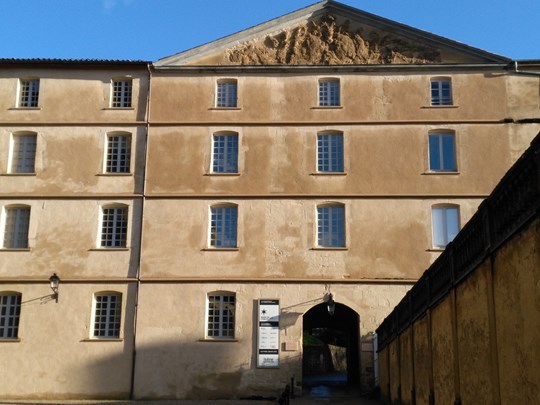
(17, 220)
(10, 311)
(445, 221)
(225, 153)
(223, 223)
(226, 94)
(442, 152)
(121, 93)
(23, 153)
(331, 226)
(441, 92)
(29, 92)
(221, 314)
(118, 153)
(114, 227)
(329, 92)
(330, 153)
(107, 315)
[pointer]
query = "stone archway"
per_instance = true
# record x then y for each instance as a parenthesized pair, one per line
(331, 346)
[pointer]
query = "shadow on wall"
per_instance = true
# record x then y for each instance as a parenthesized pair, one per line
(191, 370)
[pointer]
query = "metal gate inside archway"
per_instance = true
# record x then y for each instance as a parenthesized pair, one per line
(330, 346)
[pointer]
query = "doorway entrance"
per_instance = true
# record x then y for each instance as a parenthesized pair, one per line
(331, 347)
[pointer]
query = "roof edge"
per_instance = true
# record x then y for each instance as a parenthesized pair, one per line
(71, 62)
(331, 5)
(335, 68)
(253, 30)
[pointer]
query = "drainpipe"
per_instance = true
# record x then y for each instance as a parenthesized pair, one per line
(138, 276)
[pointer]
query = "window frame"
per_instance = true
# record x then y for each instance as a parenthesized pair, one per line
(121, 93)
(111, 322)
(28, 93)
(20, 227)
(14, 162)
(331, 95)
(226, 93)
(442, 153)
(119, 239)
(331, 231)
(437, 97)
(223, 332)
(445, 231)
(229, 227)
(219, 165)
(115, 156)
(5, 307)
(335, 158)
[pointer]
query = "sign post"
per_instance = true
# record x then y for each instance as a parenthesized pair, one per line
(268, 334)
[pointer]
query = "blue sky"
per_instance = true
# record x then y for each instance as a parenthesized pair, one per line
(153, 29)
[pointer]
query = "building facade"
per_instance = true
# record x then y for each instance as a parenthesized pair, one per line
(204, 211)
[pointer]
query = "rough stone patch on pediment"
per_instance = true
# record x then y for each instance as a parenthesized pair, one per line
(329, 42)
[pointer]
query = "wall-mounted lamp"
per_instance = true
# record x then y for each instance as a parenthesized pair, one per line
(54, 281)
(330, 304)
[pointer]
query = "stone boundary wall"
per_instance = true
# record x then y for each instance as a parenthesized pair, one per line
(468, 332)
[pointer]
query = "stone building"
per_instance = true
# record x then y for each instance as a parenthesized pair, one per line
(204, 213)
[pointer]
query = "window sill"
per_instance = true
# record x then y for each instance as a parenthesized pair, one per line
(104, 249)
(225, 108)
(103, 340)
(118, 108)
(15, 249)
(327, 107)
(223, 174)
(115, 174)
(210, 340)
(328, 174)
(220, 249)
(442, 173)
(18, 174)
(440, 106)
(330, 248)
(8, 340)
(25, 108)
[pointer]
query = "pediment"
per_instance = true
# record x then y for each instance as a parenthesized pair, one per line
(329, 40)
(330, 33)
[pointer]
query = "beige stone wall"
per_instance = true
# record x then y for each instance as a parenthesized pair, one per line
(443, 352)
(516, 284)
(384, 374)
(175, 361)
(422, 360)
(473, 338)
(70, 160)
(289, 97)
(55, 356)
(277, 239)
(394, 374)
(407, 368)
(63, 238)
(281, 160)
(387, 192)
(72, 95)
(523, 96)
(483, 336)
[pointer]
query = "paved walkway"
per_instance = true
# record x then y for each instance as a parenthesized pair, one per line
(294, 401)
(315, 395)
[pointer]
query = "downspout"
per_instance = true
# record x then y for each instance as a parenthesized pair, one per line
(138, 275)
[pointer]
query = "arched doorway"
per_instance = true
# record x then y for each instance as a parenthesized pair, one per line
(331, 346)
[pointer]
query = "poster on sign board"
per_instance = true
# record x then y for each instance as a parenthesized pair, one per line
(268, 334)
